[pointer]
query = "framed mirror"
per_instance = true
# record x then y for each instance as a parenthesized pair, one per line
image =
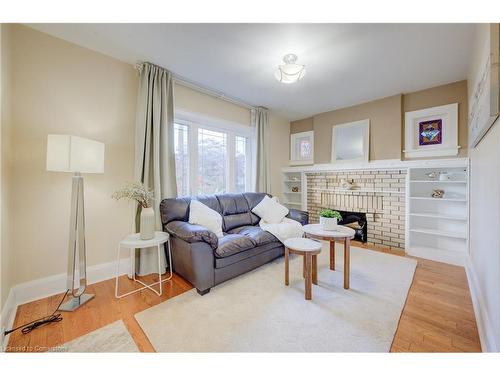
(351, 142)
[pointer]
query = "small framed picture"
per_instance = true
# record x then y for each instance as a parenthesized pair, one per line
(432, 132)
(302, 148)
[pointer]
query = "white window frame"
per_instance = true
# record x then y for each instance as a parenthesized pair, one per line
(232, 129)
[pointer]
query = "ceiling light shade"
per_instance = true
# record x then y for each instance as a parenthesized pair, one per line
(290, 72)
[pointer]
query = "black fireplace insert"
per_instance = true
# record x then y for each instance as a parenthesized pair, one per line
(356, 221)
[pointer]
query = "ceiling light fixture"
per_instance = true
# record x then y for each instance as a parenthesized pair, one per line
(290, 72)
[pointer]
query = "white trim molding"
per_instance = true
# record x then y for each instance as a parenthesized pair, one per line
(7, 318)
(51, 285)
(380, 164)
(483, 321)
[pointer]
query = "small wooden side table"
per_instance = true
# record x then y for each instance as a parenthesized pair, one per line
(309, 249)
(342, 233)
(133, 242)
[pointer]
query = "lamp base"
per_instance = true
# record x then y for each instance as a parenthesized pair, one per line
(75, 302)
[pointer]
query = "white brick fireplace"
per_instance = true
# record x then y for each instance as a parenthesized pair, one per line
(396, 197)
(380, 194)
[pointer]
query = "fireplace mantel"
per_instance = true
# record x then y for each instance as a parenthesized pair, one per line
(381, 164)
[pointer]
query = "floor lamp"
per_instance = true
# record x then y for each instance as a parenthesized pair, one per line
(67, 153)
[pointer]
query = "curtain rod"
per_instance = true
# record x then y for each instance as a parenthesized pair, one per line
(196, 86)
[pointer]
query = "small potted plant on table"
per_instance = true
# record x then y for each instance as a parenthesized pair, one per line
(329, 219)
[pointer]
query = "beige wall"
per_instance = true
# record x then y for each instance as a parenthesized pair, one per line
(303, 125)
(446, 94)
(386, 121)
(56, 87)
(385, 128)
(192, 101)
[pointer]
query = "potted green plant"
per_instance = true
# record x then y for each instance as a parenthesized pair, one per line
(329, 219)
(136, 191)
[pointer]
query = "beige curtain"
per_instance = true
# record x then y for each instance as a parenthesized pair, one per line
(154, 148)
(260, 119)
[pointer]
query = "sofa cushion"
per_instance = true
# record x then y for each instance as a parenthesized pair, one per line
(261, 237)
(253, 199)
(232, 244)
(270, 210)
(256, 253)
(203, 215)
(235, 211)
(178, 208)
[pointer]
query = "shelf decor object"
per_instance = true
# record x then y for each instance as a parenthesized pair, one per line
(432, 132)
(67, 153)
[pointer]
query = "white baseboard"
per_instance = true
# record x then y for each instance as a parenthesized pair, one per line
(7, 317)
(48, 286)
(484, 326)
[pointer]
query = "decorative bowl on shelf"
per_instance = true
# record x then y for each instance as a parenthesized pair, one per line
(433, 175)
(437, 193)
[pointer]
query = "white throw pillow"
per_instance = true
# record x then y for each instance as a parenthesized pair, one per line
(206, 217)
(270, 210)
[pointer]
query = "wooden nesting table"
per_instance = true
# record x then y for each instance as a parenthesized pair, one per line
(343, 234)
(309, 249)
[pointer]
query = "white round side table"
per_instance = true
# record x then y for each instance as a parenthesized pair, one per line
(134, 241)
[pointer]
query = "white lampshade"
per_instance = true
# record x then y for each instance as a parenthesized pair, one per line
(67, 153)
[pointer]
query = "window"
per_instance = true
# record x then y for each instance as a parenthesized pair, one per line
(211, 159)
(212, 166)
(181, 147)
(240, 164)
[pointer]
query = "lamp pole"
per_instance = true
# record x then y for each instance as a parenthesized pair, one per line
(76, 245)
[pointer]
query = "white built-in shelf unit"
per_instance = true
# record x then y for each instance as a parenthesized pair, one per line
(292, 181)
(438, 228)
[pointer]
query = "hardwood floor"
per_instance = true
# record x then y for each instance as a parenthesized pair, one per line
(437, 317)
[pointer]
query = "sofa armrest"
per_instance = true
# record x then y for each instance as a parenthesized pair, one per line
(301, 216)
(192, 233)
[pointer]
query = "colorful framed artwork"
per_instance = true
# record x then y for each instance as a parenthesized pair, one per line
(430, 132)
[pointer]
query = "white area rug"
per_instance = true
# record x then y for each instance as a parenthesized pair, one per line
(113, 338)
(256, 312)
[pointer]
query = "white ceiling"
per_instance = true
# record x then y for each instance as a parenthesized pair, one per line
(346, 64)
